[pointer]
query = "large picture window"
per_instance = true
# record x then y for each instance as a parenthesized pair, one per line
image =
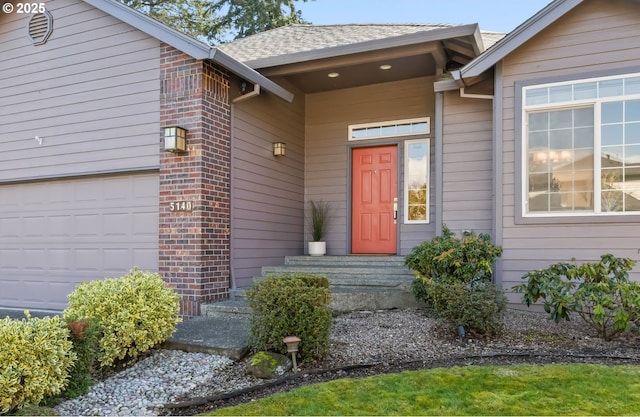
(582, 147)
(416, 178)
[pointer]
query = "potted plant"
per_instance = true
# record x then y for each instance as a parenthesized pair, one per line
(319, 221)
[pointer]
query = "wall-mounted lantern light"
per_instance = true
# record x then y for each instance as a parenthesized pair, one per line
(175, 139)
(279, 148)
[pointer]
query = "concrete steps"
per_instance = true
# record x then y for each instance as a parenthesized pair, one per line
(355, 282)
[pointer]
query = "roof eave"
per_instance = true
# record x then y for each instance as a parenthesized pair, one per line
(249, 74)
(527, 30)
(370, 46)
(192, 47)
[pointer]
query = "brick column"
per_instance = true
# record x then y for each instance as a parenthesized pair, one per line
(195, 245)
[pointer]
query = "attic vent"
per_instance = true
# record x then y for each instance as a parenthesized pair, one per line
(40, 27)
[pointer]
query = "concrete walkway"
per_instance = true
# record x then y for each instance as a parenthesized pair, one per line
(217, 335)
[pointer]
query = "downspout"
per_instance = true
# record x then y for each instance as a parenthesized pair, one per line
(497, 144)
(439, 118)
(497, 229)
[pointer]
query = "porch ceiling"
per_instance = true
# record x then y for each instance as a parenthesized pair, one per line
(357, 75)
(361, 69)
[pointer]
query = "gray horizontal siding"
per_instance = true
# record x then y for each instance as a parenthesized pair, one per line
(596, 36)
(267, 192)
(467, 164)
(91, 92)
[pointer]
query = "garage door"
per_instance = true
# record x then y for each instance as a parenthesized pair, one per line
(56, 234)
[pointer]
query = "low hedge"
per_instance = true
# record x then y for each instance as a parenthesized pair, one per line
(135, 313)
(291, 304)
(36, 357)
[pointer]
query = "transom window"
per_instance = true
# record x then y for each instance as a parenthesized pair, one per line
(390, 129)
(582, 147)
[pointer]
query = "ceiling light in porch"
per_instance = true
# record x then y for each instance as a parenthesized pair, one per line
(333, 74)
(385, 67)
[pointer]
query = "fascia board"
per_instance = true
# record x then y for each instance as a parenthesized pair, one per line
(186, 44)
(518, 36)
(368, 46)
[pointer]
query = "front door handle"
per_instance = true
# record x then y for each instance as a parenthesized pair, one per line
(395, 210)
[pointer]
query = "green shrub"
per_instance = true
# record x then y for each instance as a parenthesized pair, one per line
(478, 308)
(448, 258)
(135, 313)
(291, 304)
(600, 293)
(35, 358)
(454, 275)
(85, 336)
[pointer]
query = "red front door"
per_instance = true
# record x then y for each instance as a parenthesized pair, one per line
(374, 190)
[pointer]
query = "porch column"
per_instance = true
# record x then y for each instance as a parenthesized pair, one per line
(194, 247)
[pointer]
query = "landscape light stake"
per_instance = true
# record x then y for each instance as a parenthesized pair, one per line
(292, 347)
(461, 334)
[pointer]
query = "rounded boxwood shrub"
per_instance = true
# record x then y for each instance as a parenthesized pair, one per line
(35, 359)
(135, 313)
(291, 304)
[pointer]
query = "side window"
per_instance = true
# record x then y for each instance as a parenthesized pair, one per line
(416, 181)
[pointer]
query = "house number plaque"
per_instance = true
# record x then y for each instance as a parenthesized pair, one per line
(181, 206)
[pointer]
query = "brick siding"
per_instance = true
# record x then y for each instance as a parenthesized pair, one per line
(194, 246)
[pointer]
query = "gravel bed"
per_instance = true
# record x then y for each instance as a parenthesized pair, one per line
(378, 341)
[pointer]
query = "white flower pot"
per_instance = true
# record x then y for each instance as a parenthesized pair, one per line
(317, 248)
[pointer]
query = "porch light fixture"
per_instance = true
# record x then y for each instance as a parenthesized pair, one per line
(279, 148)
(385, 67)
(333, 74)
(292, 347)
(175, 139)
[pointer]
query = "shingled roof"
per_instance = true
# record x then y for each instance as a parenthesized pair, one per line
(294, 39)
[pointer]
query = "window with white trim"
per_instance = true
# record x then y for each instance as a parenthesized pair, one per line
(416, 181)
(395, 128)
(581, 153)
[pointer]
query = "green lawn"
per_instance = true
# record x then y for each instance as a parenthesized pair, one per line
(474, 390)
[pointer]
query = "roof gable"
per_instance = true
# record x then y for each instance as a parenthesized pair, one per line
(527, 30)
(300, 43)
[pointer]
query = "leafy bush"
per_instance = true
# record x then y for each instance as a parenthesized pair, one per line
(600, 293)
(479, 308)
(291, 304)
(85, 336)
(448, 258)
(35, 358)
(454, 274)
(135, 313)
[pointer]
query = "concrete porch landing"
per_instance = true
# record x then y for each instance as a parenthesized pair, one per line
(355, 282)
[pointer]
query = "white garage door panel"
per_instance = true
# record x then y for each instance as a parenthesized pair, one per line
(56, 234)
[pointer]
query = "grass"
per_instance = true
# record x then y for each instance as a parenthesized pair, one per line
(576, 389)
